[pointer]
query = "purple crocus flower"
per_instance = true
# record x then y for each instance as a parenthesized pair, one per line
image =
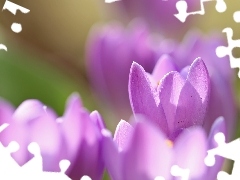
(142, 151)
(108, 72)
(158, 13)
(76, 136)
(110, 53)
(174, 101)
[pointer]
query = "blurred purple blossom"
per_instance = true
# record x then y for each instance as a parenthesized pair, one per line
(76, 136)
(222, 98)
(141, 151)
(108, 67)
(158, 13)
(110, 52)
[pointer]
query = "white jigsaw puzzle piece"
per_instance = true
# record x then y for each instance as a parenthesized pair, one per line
(222, 51)
(177, 171)
(182, 7)
(33, 169)
(34, 165)
(159, 178)
(85, 178)
(12, 7)
(227, 150)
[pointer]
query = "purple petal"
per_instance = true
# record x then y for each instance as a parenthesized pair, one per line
(19, 133)
(184, 72)
(33, 122)
(193, 98)
(163, 66)
(190, 150)
(221, 105)
(111, 156)
(97, 119)
(94, 60)
(189, 110)
(218, 126)
(70, 125)
(88, 160)
(170, 88)
(148, 153)
(199, 79)
(29, 110)
(44, 131)
(122, 134)
(144, 99)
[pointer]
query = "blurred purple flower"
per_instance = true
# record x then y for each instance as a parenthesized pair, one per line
(221, 102)
(109, 68)
(158, 13)
(110, 53)
(172, 101)
(143, 152)
(76, 136)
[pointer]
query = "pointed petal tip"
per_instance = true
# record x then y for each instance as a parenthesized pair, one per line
(122, 121)
(135, 65)
(198, 76)
(120, 126)
(170, 75)
(73, 101)
(221, 119)
(219, 125)
(74, 97)
(198, 61)
(135, 68)
(163, 66)
(96, 114)
(97, 119)
(122, 134)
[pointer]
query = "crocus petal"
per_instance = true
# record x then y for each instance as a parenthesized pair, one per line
(97, 119)
(164, 65)
(29, 123)
(199, 78)
(90, 144)
(111, 156)
(122, 134)
(170, 88)
(221, 105)
(194, 96)
(70, 125)
(19, 133)
(184, 72)
(44, 131)
(218, 126)
(94, 58)
(190, 150)
(148, 153)
(143, 99)
(189, 110)
(29, 110)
